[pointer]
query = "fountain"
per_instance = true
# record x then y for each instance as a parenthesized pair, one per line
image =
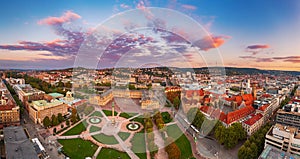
(95, 120)
(133, 126)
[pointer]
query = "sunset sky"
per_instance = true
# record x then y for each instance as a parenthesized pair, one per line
(260, 34)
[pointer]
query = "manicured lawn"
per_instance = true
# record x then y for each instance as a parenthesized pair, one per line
(84, 122)
(124, 135)
(94, 129)
(88, 109)
(109, 140)
(75, 130)
(139, 119)
(127, 115)
(96, 113)
(166, 117)
(109, 112)
(78, 148)
(142, 155)
(181, 141)
(108, 153)
(139, 145)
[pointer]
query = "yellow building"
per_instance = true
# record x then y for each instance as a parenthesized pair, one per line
(9, 111)
(107, 96)
(39, 109)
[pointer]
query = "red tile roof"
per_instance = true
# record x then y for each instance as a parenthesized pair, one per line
(254, 119)
(6, 107)
(266, 95)
(231, 116)
(264, 107)
(190, 93)
(238, 114)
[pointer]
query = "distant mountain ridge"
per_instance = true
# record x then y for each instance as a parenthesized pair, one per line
(229, 70)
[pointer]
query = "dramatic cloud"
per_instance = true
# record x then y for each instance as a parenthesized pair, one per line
(67, 46)
(189, 7)
(143, 7)
(291, 59)
(210, 42)
(66, 17)
(264, 60)
(258, 46)
(255, 49)
(247, 57)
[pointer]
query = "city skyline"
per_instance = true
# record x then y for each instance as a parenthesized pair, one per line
(253, 34)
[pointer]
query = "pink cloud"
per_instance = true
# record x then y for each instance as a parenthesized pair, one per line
(210, 42)
(189, 7)
(264, 60)
(66, 17)
(142, 6)
(264, 46)
(124, 6)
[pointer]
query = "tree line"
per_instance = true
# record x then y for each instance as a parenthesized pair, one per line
(229, 137)
(254, 146)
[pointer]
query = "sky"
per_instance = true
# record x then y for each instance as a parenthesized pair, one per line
(61, 33)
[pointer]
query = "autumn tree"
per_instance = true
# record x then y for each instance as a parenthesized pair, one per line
(47, 122)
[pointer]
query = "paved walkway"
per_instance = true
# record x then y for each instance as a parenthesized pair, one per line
(97, 152)
(159, 141)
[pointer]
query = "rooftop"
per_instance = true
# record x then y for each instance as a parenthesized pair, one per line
(253, 119)
(43, 104)
(271, 152)
(17, 145)
(56, 95)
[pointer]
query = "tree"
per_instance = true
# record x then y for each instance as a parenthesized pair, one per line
(241, 133)
(54, 120)
(74, 116)
(60, 117)
(68, 122)
(60, 84)
(254, 150)
(172, 149)
(46, 122)
(220, 134)
(191, 114)
(231, 137)
(176, 102)
(68, 84)
(131, 87)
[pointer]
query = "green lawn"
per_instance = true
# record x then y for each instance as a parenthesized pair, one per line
(94, 129)
(139, 119)
(166, 117)
(84, 122)
(109, 140)
(88, 109)
(96, 113)
(78, 148)
(75, 130)
(108, 153)
(181, 141)
(139, 145)
(109, 112)
(124, 135)
(127, 115)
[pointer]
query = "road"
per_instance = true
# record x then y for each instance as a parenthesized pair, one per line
(33, 130)
(207, 146)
